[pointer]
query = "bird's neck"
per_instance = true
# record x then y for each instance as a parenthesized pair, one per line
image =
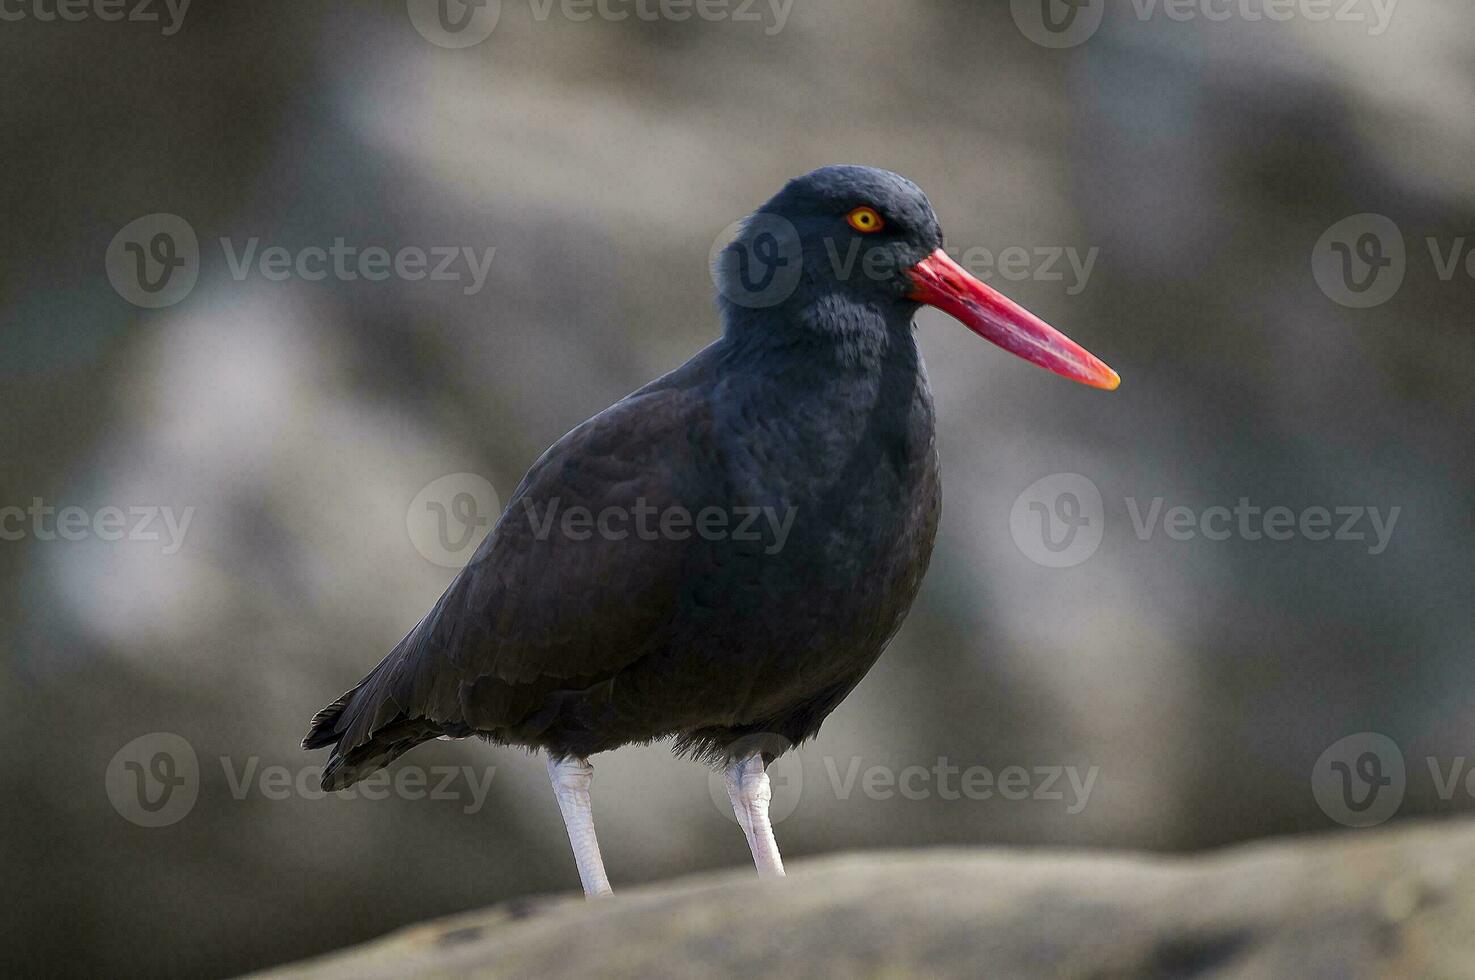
(835, 377)
(840, 403)
(833, 335)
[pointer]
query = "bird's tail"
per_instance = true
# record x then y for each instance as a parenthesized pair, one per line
(368, 728)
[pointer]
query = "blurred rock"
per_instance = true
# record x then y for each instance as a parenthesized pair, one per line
(1354, 905)
(1194, 165)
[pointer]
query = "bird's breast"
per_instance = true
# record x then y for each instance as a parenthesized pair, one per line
(847, 467)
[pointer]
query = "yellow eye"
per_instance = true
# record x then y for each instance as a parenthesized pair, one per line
(865, 220)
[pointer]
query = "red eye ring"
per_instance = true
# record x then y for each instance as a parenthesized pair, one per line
(865, 220)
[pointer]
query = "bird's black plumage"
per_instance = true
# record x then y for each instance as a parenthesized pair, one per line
(816, 407)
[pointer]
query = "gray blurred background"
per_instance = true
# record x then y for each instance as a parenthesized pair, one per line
(1203, 679)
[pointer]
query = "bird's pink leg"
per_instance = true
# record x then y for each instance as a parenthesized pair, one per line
(748, 789)
(732, 778)
(571, 780)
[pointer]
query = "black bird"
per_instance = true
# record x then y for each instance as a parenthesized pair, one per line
(722, 555)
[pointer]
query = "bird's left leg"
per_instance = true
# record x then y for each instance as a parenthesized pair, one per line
(571, 780)
(749, 791)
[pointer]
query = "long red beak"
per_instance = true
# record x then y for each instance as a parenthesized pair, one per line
(939, 281)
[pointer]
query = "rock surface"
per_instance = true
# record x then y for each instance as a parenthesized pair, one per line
(1395, 903)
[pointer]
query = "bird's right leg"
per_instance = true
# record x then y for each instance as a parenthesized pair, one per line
(748, 789)
(571, 780)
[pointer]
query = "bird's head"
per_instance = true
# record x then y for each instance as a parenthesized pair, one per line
(844, 245)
